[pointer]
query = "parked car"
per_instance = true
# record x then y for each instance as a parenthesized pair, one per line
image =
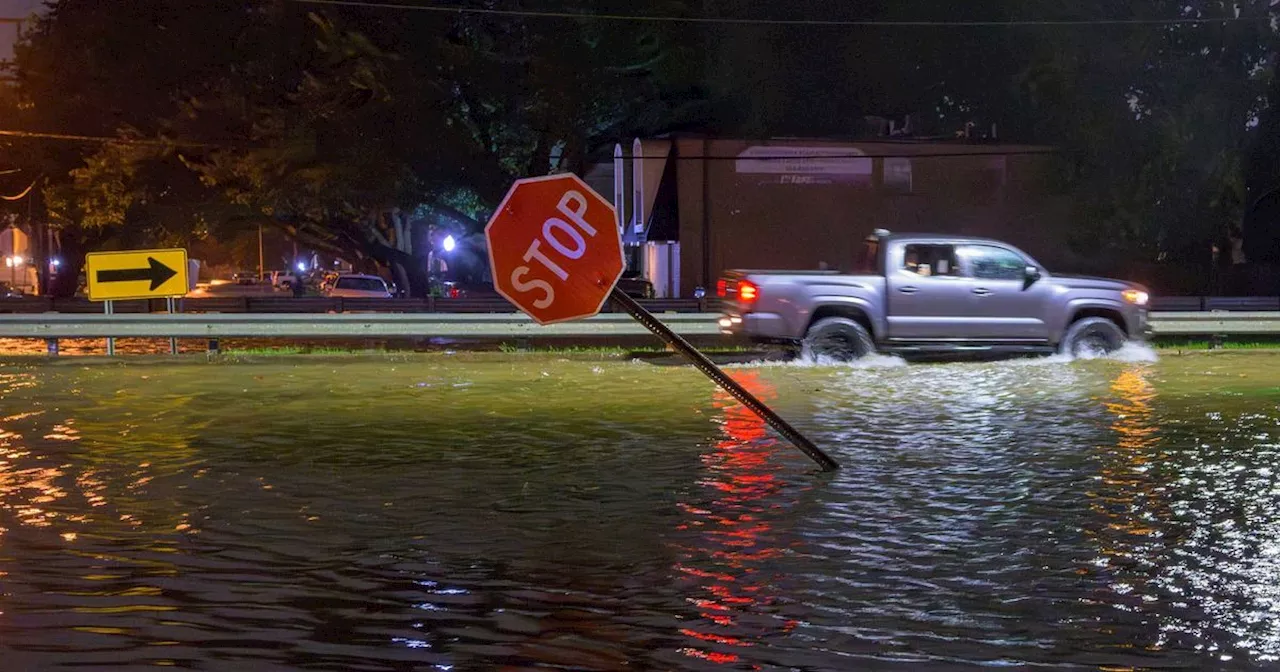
(8, 291)
(222, 288)
(358, 286)
(327, 280)
(284, 279)
(636, 286)
(472, 290)
(934, 294)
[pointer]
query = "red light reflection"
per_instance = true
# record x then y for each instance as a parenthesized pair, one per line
(728, 586)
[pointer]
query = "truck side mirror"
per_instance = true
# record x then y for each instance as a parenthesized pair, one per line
(1030, 275)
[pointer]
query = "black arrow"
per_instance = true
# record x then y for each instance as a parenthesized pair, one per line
(157, 273)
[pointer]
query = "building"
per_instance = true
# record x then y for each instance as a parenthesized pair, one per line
(19, 269)
(690, 206)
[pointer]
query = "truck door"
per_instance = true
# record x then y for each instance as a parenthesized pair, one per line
(928, 298)
(1003, 305)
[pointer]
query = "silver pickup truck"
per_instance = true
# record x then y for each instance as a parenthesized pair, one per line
(932, 294)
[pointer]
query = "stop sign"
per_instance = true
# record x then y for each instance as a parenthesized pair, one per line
(554, 248)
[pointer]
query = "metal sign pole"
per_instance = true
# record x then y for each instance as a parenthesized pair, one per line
(173, 342)
(722, 379)
(108, 308)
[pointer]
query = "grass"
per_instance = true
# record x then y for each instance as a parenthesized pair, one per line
(300, 350)
(584, 352)
(510, 348)
(610, 351)
(1199, 344)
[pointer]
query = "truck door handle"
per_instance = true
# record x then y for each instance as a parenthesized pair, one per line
(908, 290)
(981, 291)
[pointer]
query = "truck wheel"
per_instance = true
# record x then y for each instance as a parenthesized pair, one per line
(1092, 336)
(838, 338)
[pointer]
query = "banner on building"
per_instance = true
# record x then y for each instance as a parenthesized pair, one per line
(805, 165)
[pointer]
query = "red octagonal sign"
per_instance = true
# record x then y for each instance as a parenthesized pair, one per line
(554, 248)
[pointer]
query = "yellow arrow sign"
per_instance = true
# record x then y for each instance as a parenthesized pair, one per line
(136, 274)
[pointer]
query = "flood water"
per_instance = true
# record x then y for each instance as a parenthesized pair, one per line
(434, 512)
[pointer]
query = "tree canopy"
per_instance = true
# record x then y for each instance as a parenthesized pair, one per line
(355, 130)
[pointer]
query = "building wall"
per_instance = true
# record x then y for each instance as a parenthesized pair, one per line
(767, 212)
(15, 243)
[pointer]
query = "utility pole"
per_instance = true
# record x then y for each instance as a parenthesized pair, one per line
(42, 256)
(261, 268)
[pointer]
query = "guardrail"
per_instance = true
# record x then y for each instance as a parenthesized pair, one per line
(1207, 303)
(1215, 324)
(214, 326)
(337, 325)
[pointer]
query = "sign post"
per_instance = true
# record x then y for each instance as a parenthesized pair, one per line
(556, 253)
(108, 308)
(136, 274)
(170, 303)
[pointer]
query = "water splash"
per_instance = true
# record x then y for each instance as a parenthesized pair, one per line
(1131, 352)
(874, 361)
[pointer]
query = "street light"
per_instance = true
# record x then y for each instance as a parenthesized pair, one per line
(449, 243)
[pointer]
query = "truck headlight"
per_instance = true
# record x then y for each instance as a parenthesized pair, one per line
(1136, 297)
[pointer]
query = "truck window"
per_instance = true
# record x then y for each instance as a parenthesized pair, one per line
(930, 260)
(868, 261)
(987, 262)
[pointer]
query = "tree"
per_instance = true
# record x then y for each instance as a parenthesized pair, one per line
(90, 70)
(1155, 120)
(378, 140)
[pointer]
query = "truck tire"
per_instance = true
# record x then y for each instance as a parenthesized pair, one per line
(838, 338)
(1092, 336)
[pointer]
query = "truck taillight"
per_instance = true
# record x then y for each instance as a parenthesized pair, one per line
(722, 288)
(747, 292)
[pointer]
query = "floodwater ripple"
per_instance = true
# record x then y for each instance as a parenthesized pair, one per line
(434, 512)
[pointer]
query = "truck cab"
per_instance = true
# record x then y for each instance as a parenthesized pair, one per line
(923, 293)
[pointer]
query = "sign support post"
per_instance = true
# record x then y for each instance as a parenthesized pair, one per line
(717, 375)
(108, 308)
(173, 342)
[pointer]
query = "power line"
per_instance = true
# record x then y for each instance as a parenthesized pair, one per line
(831, 23)
(829, 157)
(20, 196)
(106, 139)
(701, 157)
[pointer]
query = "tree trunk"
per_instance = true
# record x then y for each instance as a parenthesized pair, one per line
(409, 270)
(76, 243)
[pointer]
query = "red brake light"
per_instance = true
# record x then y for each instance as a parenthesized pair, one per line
(747, 292)
(722, 288)
(454, 292)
